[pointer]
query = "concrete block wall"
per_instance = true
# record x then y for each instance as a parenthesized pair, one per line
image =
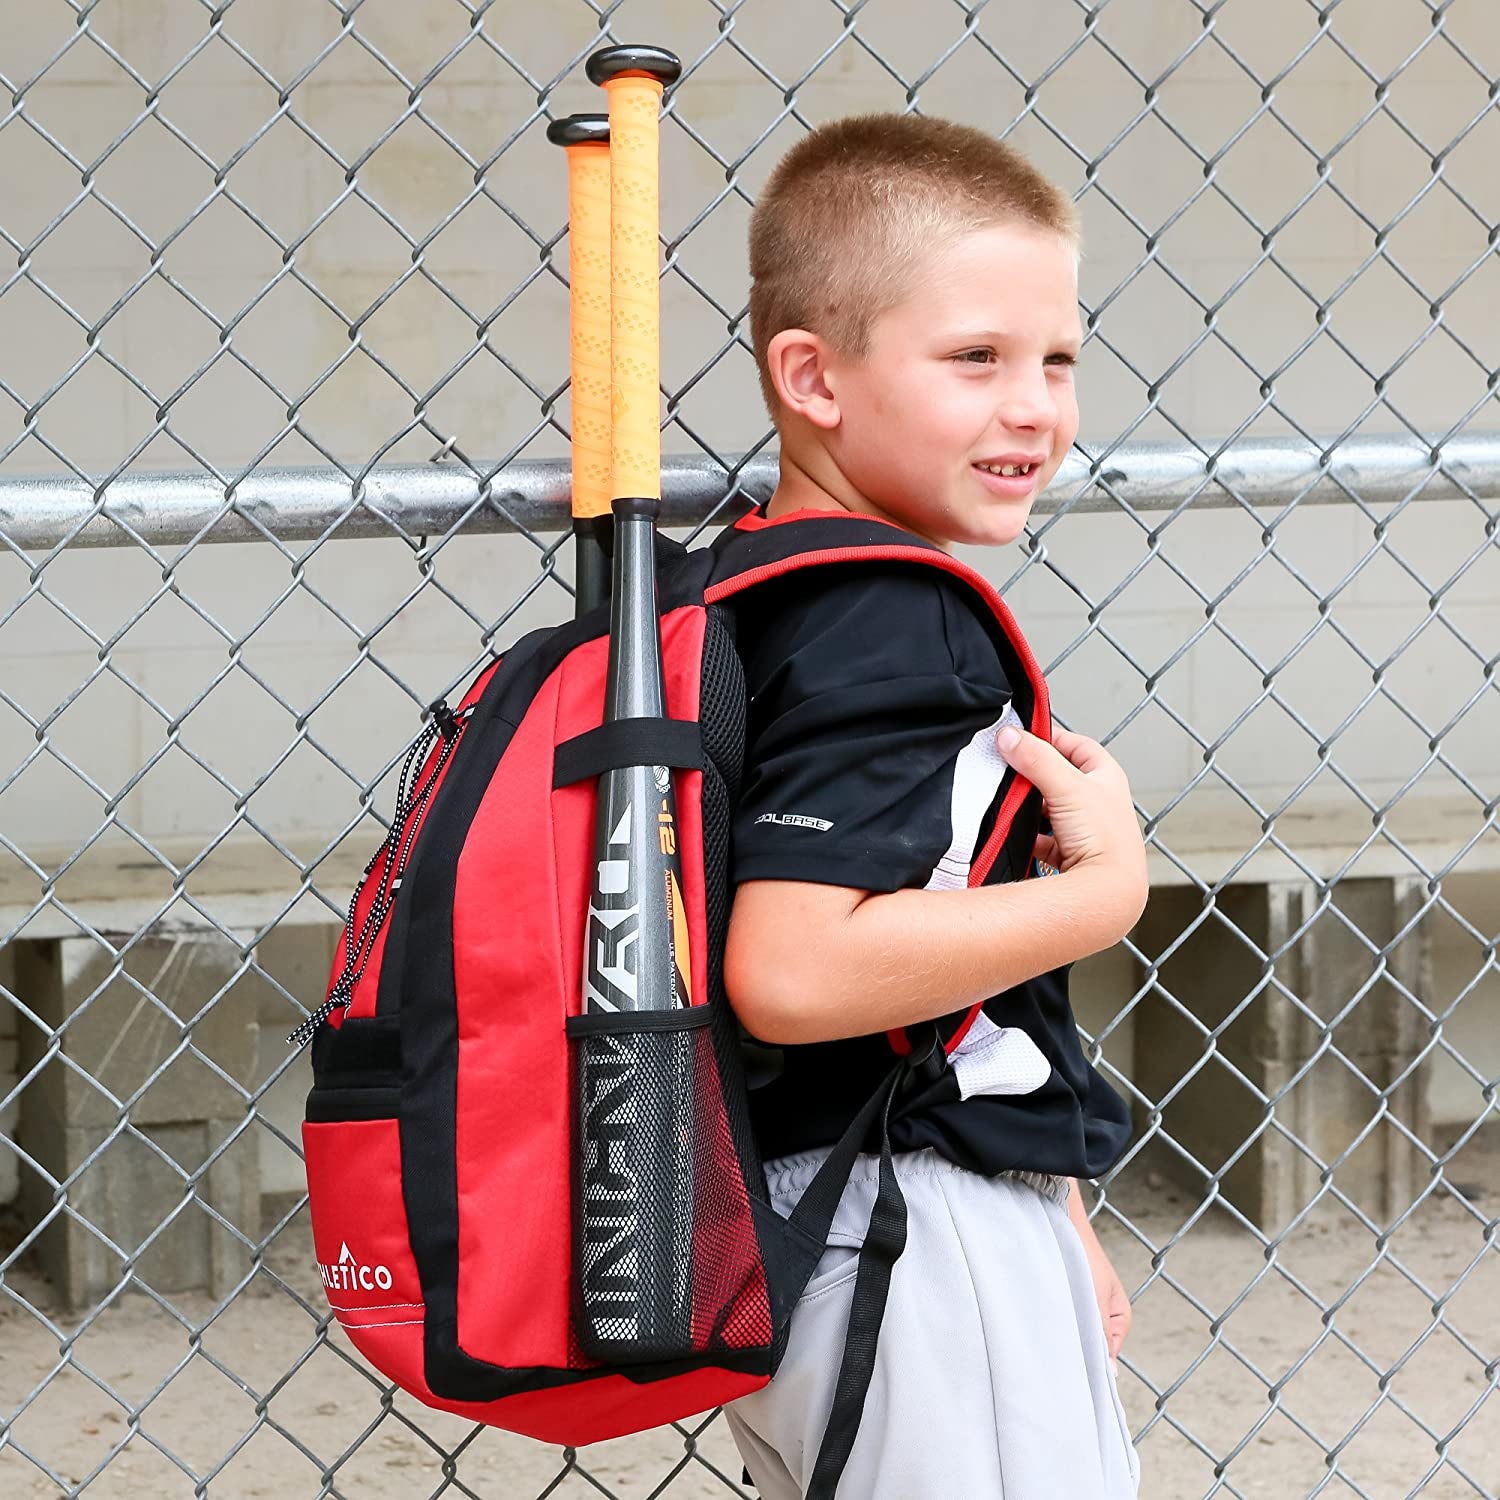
(1151, 628)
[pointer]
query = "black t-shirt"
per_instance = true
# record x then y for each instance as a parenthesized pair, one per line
(875, 696)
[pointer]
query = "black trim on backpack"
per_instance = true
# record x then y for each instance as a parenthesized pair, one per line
(331, 1105)
(356, 1072)
(609, 1022)
(389, 1000)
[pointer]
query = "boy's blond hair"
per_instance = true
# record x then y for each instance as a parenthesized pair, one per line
(853, 208)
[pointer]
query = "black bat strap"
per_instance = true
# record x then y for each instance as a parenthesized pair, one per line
(628, 742)
(885, 1239)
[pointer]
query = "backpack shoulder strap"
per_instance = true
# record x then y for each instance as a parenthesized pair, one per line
(755, 551)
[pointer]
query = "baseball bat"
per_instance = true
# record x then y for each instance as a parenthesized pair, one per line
(635, 1078)
(585, 139)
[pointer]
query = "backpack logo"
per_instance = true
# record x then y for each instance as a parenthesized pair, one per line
(795, 820)
(347, 1275)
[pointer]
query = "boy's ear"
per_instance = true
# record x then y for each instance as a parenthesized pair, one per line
(798, 364)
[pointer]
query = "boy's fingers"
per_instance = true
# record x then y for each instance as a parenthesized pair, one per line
(1019, 747)
(1037, 760)
(1033, 758)
(1080, 750)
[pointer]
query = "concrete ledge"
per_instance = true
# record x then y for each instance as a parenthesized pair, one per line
(246, 884)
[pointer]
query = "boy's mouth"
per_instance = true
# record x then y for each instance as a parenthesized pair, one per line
(1008, 480)
(1009, 471)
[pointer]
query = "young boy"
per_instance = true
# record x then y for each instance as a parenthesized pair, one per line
(914, 313)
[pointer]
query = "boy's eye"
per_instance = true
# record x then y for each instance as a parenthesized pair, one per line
(987, 356)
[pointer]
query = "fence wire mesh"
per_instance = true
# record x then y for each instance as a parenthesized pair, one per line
(290, 279)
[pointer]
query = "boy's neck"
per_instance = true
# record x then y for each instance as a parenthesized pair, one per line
(810, 485)
(816, 483)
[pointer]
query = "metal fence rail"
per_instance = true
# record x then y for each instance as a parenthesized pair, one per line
(282, 274)
(188, 507)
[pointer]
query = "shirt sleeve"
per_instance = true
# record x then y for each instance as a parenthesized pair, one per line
(864, 690)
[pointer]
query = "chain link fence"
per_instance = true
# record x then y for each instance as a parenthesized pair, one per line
(283, 361)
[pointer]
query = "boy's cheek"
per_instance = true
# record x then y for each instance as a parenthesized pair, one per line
(1068, 420)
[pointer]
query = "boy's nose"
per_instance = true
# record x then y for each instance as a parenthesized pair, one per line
(1029, 406)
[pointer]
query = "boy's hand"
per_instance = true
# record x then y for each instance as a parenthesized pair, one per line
(1087, 798)
(1114, 1305)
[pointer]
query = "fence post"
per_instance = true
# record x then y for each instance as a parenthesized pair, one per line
(1290, 1080)
(109, 1037)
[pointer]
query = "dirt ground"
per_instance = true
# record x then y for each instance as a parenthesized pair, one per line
(1241, 1370)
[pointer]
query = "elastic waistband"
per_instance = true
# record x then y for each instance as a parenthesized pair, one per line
(787, 1177)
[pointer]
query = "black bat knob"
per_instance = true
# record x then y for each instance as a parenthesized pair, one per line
(610, 62)
(579, 130)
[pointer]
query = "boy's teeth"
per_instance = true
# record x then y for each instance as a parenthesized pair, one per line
(1008, 470)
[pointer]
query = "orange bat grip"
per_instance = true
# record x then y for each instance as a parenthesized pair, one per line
(588, 279)
(635, 285)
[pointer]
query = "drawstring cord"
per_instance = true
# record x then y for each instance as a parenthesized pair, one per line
(411, 801)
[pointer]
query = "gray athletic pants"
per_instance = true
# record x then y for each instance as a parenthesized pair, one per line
(992, 1378)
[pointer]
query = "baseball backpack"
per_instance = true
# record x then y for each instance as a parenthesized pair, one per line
(441, 1135)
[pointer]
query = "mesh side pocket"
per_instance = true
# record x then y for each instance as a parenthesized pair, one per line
(666, 1261)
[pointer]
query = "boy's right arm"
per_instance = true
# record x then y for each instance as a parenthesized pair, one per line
(809, 963)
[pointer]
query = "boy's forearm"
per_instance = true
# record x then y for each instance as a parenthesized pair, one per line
(1078, 1212)
(910, 956)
